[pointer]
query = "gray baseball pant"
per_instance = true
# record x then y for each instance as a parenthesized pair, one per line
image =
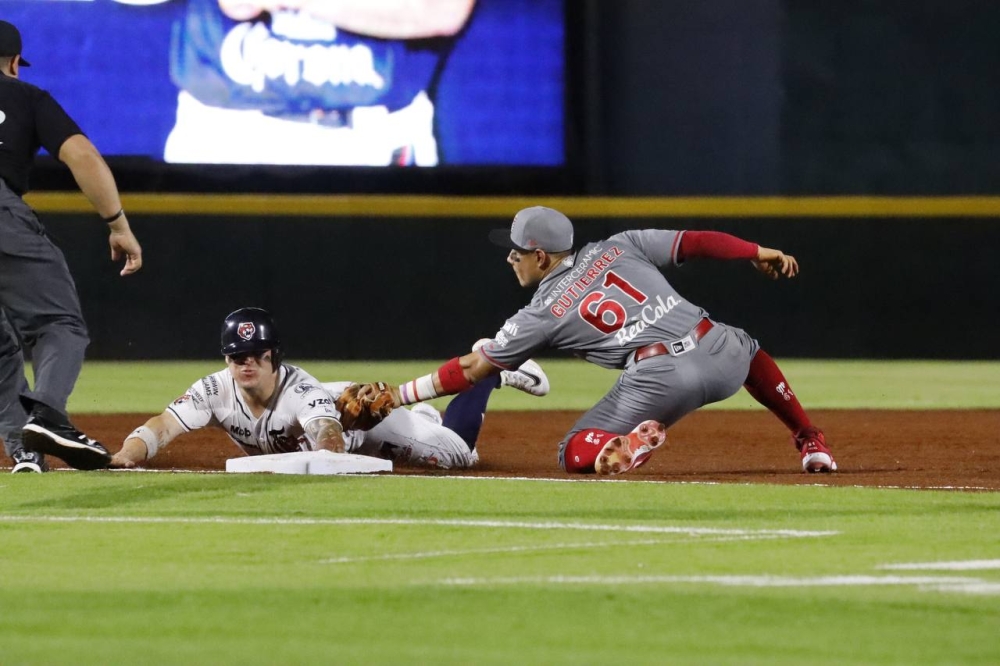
(666, 388)
(42, 310)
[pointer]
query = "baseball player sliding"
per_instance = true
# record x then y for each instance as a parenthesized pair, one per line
(609, 303)
(266, 406)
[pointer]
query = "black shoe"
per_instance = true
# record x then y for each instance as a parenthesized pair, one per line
(64, 441)
(28, 461)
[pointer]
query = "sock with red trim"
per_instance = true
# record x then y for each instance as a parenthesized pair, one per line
(582, 449)
(770, 388)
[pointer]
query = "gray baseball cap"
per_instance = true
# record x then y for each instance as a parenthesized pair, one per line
(536, 228)
(10, 42)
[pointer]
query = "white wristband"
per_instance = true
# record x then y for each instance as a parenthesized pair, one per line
(148, 437)
(418, 390)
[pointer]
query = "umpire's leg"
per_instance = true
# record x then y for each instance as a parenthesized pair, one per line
(39, 297)
(12, 384)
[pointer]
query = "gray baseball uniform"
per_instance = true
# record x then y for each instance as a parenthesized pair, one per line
(609, 300)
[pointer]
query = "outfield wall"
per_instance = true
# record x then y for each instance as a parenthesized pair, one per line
(426, 286)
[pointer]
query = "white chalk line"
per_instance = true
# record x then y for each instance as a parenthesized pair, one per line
(924, 583)
(538, 548)
(938, 583)
(958, 565)
(813, 483)
(501, 524)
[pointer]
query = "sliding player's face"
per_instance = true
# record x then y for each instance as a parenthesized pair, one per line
(250, 369)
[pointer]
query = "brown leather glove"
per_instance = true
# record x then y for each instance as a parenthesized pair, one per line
(364, 406)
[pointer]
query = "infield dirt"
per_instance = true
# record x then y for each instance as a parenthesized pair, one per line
(920, 449)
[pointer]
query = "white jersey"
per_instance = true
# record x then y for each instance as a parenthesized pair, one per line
(404, 436)
(411, 437)
(215, 400)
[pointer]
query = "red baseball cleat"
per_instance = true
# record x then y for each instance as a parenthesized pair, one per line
(816, 457)
(629, 451)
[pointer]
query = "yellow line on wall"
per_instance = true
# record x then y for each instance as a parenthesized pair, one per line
(353, 206)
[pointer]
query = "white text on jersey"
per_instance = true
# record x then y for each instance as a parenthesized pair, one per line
(576, 282)
(650, 315)
(251, 56)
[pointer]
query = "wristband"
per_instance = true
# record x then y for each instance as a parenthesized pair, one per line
(148, 438)
(452, 377)
(418, 390)
(109, 220)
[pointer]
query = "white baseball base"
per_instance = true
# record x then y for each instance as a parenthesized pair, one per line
(309, 462)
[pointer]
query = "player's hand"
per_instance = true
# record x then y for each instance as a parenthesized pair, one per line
(120, 461)
(775, 263)
(123, 242)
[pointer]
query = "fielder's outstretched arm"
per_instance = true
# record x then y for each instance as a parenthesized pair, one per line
(143, 442)
(719, 245)
(453, 377)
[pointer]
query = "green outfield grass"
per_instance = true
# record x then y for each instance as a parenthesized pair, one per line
(143, 568)
(183, 568)
(148, 386)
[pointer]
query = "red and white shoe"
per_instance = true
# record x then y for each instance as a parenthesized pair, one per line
(626, 452)
(816, 456)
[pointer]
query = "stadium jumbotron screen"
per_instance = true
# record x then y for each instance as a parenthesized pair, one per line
(265, 82)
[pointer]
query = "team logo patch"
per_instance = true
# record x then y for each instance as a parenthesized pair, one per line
(246, 330)
(182, 399)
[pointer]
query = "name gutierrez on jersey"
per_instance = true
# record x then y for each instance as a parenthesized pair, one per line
(252, 55)
(575, 282)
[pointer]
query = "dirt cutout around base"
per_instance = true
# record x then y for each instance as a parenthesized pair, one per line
(957, 449)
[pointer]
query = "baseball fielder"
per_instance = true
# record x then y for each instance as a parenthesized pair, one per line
(266, 406)
(609, 303)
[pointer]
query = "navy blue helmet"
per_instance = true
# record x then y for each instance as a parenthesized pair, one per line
(251, 330)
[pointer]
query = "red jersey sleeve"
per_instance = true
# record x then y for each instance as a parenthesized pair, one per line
(715, 245)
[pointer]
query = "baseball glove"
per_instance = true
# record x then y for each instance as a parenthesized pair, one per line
(363, 406)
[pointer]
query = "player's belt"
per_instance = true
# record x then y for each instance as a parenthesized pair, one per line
(677, 347)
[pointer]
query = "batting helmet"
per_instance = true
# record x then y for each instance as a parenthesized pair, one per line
(251, 330)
